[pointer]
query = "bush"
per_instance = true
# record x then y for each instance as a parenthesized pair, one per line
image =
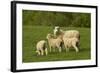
(47, 18)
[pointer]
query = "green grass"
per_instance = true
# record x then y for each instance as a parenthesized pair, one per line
(33, 34)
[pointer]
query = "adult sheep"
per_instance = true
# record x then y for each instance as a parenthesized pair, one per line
(54, 42)
(58, 32)
(41, 47)
(71, 34)
(68, 34)
(71, 42)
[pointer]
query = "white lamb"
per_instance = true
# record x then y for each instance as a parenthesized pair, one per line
(71, 42)
(41, 47)
(54, 42)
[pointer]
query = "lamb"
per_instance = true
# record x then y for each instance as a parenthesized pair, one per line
(54, 42)
(71, 42)
(41, 48)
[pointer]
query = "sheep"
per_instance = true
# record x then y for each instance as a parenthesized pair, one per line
(71, 34)
(58, 32)
(54, 42)
(71, 42)
(41, 47)
(67, 34)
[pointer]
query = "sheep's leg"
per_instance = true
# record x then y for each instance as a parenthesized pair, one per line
(59, 49)
(46, 51)
(76, 48)
(67, 49)
(64, 46)
(54, 49)
(78, 45)
(38, 52)
(42, 52)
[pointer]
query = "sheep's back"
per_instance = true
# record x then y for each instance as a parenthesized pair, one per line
(71, 33)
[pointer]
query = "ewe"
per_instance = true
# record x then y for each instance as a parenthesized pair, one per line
(41, 47)
(71, 34)
(67, 34)
(54, 42)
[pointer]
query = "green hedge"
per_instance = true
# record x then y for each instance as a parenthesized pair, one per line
(47, 18)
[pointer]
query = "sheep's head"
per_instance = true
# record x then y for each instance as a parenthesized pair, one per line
(49, 36)
(57, 28)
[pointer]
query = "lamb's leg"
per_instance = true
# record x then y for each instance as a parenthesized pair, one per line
(67, 49)
(42, 52)
(54, 49)
(59, 49)
(38, 52)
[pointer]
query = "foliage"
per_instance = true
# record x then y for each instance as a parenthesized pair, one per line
(48, 18)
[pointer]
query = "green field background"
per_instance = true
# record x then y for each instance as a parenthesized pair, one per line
(34, 31)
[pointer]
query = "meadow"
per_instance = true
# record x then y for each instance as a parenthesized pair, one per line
(32, 34)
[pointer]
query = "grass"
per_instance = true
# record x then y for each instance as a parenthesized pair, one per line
(33, 34)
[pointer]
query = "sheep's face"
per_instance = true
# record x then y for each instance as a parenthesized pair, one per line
(57, 28)
(49, 36)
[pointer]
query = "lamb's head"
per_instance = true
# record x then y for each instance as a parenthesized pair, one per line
(49, 36)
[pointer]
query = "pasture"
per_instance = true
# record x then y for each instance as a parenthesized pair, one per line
(33, 34)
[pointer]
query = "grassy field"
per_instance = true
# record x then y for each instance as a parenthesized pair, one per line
(33, 34)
